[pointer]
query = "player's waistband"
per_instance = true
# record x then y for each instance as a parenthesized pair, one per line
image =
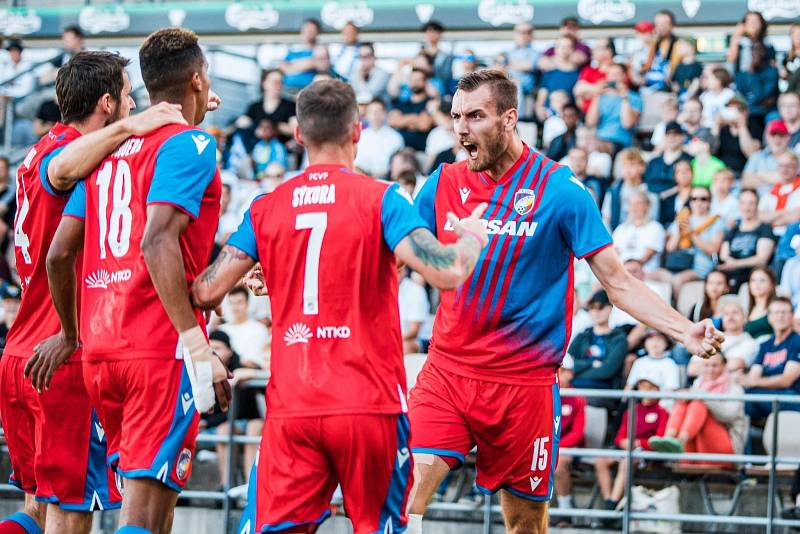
(26, 353)
(278, 412)
(130, 354)
(533, 375)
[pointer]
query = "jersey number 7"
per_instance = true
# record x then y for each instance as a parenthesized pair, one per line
(317, 222)
(117, 229)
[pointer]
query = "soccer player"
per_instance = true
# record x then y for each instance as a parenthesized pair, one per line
(146, 218)
(491, 375)
(54, 462)
(326, 242)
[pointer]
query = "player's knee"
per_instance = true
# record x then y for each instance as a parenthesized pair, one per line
(531, 521)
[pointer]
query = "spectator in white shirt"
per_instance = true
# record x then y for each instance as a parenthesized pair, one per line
(16, 68)
(345, 61)
(640, 237)
(656, 363)
(414, 310)
(250, 339)
(724, 202)
(781, 206)
(378, 141)
(368, 80)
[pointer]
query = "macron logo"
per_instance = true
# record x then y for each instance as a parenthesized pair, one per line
(535, 481)
(464, 192)
(201, 142)
(402, 456)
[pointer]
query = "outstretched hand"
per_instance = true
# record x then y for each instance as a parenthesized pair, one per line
(703, 339)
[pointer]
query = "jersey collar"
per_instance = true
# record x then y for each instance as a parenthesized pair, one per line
(61, 131)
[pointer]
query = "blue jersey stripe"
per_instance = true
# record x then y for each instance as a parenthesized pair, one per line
(495, 202)
(505, 211)
(510, 252)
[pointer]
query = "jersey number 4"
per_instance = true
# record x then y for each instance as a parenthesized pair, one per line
(20, 237)
(117, 228)
(317, 222)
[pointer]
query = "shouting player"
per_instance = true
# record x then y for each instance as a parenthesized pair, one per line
(150, 212)
(490, 377)
(326, 241)
(61, 464)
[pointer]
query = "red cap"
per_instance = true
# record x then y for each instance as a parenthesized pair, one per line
(644, 26)
(777, 127)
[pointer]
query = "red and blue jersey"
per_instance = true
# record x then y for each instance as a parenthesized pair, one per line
(122, 316)
(510, 321)
(325, 240)
(35, 225)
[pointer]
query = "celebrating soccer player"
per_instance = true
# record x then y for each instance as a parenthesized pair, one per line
(491, 375)
(146, 219)
(326, 241)
(62, 464)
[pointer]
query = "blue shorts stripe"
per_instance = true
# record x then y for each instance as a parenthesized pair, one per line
(393, 507)
(25, 521)
(247, 524)
(556, 438)
(289, 524)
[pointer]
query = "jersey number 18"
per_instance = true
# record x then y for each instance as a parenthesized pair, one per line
(117, 228)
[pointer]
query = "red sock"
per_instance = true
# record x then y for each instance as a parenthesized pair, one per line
(11, 527)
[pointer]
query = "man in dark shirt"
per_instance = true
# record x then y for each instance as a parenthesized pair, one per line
(561, 145)
(410, 117)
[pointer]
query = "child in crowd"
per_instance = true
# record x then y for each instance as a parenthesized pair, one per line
(573, 422)
(651, 420)
(686, 75)
(669, 113)
(268, 149)
(656, 362)
(704, 165)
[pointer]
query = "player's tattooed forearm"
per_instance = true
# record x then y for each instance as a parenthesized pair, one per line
(428, 249)
(228, 254)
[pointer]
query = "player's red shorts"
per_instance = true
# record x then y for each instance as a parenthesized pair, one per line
(148, 412)
(513, 427)
(301, 460)
(56, 444)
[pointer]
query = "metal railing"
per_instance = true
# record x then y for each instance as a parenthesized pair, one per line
(489, 511)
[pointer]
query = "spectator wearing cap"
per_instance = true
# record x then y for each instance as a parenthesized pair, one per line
(247, 419)
(659, 175)
(707, 426)
(592, 78)
(650, 419)
(616, 112)
(781, 205)
(378, 141)
(789, 111)
(759, 84)
(442, 60)
(641, 50)
(663, 56)
(15, 78)
(569, 27)
(704, 165)
(573, 425)
(368, 80)
(522, 60)
(11, 295)
(655, 362)
(299, 66)
(776, 369)
(761, 170)
(599, 351)
(749, 244)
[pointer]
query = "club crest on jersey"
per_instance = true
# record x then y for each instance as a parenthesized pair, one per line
(523, 201)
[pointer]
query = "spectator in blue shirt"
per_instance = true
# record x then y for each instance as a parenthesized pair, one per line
(442, 60)
(522, 59)
(616, 112)
(776, 369)
(298, 65)
(268, 149)
(759, 85)
(562, 76)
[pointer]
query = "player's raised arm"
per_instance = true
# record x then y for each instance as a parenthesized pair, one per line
(67, 243)
(634, 297)
(445, 266)
(81, 156)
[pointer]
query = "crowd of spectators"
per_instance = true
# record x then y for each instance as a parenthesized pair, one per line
(693, 164)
